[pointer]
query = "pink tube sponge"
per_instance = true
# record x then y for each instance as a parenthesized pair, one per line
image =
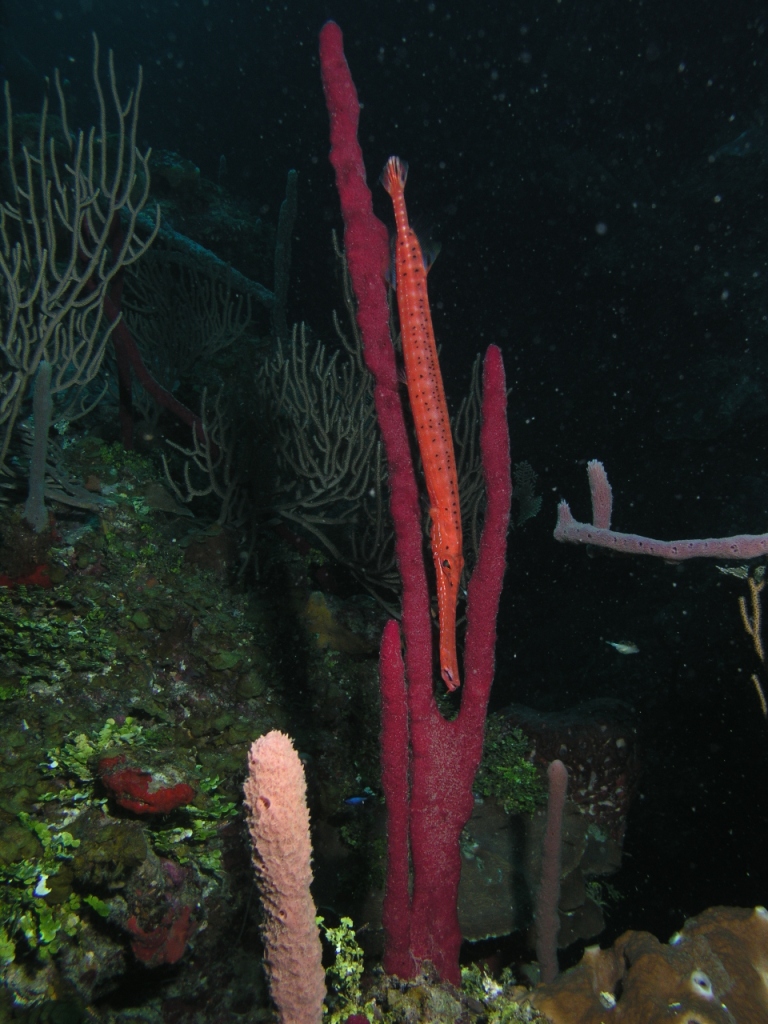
(278, 820)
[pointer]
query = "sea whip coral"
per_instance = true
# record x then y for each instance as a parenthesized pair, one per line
(278, 819)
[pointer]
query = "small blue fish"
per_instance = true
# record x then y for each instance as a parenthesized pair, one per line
(361, 800)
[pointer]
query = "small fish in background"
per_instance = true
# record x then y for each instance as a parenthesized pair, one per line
(624, 647)
(752, 141)
(361, 799)
(223, 170)
(147, 437)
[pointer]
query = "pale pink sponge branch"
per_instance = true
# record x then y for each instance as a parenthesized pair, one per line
(600, 534)
(278, 820)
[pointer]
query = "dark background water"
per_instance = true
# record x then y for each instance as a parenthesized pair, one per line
(569, 157)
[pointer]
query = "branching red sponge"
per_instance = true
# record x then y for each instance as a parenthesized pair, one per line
(278, 819)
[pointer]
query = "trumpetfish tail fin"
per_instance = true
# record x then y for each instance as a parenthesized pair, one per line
(394, 175)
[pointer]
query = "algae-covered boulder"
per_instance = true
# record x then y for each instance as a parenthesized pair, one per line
(18, 843)
(109, 850)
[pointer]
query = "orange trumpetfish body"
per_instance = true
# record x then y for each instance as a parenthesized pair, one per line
(430, 417)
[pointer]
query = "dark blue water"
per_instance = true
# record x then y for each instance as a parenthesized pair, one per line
(600, 221)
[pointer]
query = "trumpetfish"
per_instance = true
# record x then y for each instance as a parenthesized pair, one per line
(426, 395)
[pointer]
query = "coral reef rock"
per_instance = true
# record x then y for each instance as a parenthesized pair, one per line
(714, 971)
